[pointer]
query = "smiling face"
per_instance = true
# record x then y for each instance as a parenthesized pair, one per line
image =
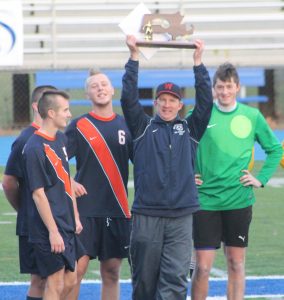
(226, 92)
(226, 84)
(167, 106)
(99, 89)
(61, 114)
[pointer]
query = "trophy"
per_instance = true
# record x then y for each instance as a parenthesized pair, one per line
(154, 31)
(168, 25)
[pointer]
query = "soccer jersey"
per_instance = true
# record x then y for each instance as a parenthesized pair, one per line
(47, 167)
(102, 148)
(15, 167)
(226, 149)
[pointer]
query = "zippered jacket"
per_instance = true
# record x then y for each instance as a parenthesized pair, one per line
(164, 152)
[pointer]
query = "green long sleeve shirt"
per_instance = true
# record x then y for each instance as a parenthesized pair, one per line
(226, 149)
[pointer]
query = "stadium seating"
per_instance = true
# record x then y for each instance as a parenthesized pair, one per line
(74, 34)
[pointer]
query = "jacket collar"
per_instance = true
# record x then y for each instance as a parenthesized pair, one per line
(158, 119)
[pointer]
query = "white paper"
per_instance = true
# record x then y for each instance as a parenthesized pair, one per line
(131, 25)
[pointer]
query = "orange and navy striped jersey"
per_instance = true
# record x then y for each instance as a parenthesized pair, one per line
(47, 167)
(102, 148)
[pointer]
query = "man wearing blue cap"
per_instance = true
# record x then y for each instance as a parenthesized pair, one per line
(165, 190)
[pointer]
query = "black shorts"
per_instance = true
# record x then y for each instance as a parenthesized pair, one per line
(105, 238)
(210, 228)
(27, 256)
(49, 263)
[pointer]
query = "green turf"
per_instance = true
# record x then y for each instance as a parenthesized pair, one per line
(264, 255)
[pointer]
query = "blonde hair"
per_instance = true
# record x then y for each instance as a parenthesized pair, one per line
(92, 71)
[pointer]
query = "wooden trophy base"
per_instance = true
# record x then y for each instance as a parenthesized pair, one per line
(166, 44)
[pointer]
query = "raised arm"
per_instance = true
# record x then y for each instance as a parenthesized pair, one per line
(133, 111)
(198, 120)
(133, 48)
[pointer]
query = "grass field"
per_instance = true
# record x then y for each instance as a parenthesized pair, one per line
(264, 255)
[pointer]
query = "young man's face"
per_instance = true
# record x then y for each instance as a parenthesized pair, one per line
(100, 90)
(226, 92)
(168, 106)
(62, 113)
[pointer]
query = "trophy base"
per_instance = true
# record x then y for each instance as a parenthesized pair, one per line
(165, 44)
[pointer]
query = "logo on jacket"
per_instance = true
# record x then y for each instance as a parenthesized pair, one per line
(178, 129)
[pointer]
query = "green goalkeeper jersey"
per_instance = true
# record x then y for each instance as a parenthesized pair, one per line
(226, 149)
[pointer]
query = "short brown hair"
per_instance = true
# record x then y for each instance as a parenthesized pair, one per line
(225, 72)
(37, 92)
(47, 101)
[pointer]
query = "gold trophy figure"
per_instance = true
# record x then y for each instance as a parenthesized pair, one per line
(147, 29)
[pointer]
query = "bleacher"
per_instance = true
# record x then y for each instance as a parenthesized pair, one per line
(73, 34)
(149, 79)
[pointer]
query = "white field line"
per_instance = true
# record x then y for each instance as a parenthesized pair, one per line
(265, 296)
(9, 214)
(219, 273)
(86, 281)
(130, 184)
(96, 272)
(276, 182)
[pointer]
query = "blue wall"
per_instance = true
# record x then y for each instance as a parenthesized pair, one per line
(6, 142)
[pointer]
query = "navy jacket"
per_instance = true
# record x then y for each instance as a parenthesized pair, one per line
(164, 152)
